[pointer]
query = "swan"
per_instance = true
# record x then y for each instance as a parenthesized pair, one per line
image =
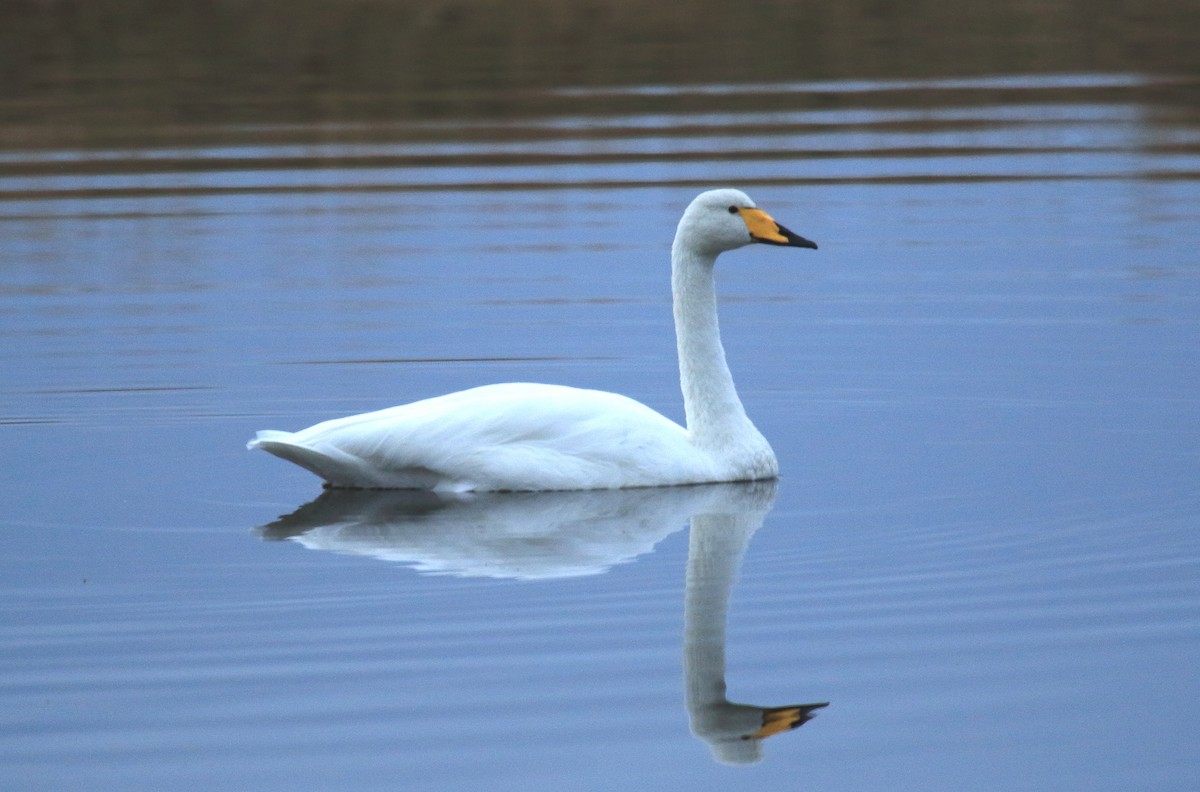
(532, 437)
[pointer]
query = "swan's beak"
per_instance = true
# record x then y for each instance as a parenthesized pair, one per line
(780, 719)
(763, 228)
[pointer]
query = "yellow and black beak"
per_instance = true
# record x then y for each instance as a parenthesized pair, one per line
(776, 720)
(763, 228)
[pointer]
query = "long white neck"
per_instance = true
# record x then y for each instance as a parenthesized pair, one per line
(715, 415)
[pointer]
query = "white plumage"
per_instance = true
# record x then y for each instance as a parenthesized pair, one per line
(523, 436)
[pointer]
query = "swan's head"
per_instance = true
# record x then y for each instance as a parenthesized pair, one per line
(720, 220)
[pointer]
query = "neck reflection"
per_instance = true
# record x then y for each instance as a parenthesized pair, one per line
(716, 546)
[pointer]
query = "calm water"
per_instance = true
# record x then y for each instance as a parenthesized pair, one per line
(983, 390)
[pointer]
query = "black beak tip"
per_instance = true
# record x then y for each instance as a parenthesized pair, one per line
(795, 240)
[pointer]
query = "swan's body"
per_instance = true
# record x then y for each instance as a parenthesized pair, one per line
(521, 436)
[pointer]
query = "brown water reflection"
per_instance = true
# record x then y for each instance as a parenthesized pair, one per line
(1018, 128)
(110, 72)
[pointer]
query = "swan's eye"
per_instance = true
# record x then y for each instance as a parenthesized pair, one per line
(733, 210)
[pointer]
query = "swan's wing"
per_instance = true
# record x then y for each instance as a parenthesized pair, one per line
(515, 436)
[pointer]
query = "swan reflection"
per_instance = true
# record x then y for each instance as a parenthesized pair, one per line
(716, 544)
(521, 535)
(543, 535)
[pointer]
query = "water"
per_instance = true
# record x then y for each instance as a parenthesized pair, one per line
(982, 389)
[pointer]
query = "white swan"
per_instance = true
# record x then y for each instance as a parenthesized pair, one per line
(521, 436)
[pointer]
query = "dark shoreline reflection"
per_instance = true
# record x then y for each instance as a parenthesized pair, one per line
(538, 536)
(190, 66)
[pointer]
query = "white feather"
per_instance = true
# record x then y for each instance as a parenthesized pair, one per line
(522, 436)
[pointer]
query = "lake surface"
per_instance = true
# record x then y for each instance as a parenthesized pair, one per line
(983, 389)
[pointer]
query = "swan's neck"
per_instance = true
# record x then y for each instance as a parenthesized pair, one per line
(716, 419)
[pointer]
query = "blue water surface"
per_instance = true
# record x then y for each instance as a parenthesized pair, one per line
(982, 552)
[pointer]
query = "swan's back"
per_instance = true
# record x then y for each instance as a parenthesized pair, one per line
(514, 436)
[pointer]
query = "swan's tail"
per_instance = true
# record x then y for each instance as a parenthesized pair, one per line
(264, 436)
(345, 470)
(338, 468)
